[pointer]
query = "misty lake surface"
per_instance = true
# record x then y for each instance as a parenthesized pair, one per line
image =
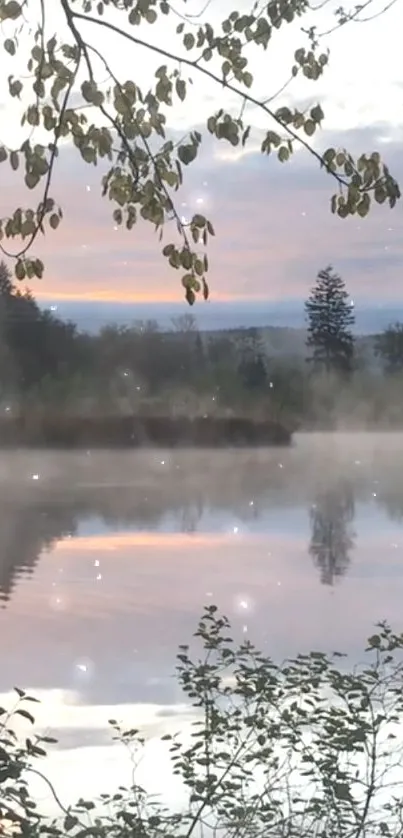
(108, 558)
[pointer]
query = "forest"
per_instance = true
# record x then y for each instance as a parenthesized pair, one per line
(49, 367)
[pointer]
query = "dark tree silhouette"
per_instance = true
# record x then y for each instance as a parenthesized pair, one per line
(26, 531)
(389, 347)
(252, 366)
(332, 535)
(33, 343)
(330, 319)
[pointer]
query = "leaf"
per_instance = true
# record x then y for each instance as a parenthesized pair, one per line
(20, 692)
(54, 221)
(14, 160)
(135, 17)
(187, 154)
(25, 714)
(190, 296)
(88, 154)
(11, 10)
(9, 46)
(283, 154)
(70, 822)
(317, 114)
(363, 208)
(180, 87)
(189, 41)
(39, 269)
(31, 180)
(20, 274)
(309, 127)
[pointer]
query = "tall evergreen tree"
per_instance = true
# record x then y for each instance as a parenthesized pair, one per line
(330, 320)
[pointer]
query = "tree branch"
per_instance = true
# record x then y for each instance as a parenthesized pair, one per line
(247, 97)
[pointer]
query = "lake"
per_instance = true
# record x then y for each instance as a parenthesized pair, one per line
(107, 559)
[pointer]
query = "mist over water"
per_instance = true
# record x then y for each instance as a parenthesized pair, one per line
(107, 559)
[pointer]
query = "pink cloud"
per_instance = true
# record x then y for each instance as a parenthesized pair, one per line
(274, 231)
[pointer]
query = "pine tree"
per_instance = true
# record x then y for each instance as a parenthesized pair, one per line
(330, 319)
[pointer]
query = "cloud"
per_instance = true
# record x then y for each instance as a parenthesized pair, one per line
(273, 224)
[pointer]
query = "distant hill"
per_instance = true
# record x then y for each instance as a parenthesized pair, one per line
(212, 316)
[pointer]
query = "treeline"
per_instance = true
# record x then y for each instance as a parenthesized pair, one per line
(49, 365)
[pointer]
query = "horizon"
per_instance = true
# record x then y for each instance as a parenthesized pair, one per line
(370, 317)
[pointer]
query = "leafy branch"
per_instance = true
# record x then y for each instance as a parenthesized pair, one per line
(141, 180)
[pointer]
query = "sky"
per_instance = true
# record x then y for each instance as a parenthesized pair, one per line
(274, 229)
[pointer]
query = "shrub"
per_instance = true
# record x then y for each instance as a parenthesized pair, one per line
(309, 747)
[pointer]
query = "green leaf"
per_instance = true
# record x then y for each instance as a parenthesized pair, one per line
(309, 127)
(10, 10)
(20, 692)
(186, 259)
(134, 17)
(317, 114)
(187, 154)
(189, 41)
(363, 208)
(31, 180)
(380, 194)
(54, 221)
(190, 296)
(14, 160)
(9, 46)
(70, 822)
(180, 87)
(88, 154)
(25, 715)
(20, 270)
(39, 269)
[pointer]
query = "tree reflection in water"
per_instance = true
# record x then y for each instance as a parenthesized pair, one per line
(332, 534)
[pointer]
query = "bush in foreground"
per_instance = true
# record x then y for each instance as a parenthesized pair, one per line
(309, 747)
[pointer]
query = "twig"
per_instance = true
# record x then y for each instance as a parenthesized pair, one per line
(222, 82)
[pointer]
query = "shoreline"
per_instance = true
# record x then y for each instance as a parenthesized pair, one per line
(136, 432)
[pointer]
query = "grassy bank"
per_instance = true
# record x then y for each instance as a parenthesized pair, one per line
(58, 431)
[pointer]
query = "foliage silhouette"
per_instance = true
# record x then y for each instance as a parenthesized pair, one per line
(389, 348)
(301, 748)
(118, 123)
(330, 320)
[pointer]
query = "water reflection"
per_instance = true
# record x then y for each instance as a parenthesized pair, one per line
(107, 559)
(332, 539)
(313, 485)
